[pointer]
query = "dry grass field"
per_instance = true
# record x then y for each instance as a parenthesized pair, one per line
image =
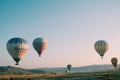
(103, 75)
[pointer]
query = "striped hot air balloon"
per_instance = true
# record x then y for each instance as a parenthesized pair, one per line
(101, 47)
(40, 45)
(17, 48)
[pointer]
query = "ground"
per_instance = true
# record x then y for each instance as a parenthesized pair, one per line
(98, 75)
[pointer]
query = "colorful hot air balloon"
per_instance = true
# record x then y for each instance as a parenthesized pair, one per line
(17, 48)
(101, 47)
(40, 45)
(69, 66)
(114, 62)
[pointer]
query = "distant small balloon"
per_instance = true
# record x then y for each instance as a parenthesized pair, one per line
(101, 47)
(17, 48)
(114, 62)
(40, 45)
(69, 66)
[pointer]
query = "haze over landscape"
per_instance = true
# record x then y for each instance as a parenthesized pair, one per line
(71, 28)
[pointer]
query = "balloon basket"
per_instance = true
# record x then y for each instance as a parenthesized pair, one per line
(16, 64)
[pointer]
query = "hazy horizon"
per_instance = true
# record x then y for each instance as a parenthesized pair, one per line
(71, 28)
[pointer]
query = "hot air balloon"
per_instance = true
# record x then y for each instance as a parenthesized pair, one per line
(69, 66)
(17, 48)
(40, 45)
(114, 62)
(101, 47)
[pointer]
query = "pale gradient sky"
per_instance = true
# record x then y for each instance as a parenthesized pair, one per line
(70, 26)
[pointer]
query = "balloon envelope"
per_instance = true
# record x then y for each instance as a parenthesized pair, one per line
(17, 48)
(40, 45)
(114, 62)
(101, 47)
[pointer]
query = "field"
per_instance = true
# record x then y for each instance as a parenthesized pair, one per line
(99, 75)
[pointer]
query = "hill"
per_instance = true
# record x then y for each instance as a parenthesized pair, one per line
(16, 70)
(90, 68)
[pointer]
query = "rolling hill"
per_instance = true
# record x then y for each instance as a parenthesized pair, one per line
(16, 70)
(89, 68)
